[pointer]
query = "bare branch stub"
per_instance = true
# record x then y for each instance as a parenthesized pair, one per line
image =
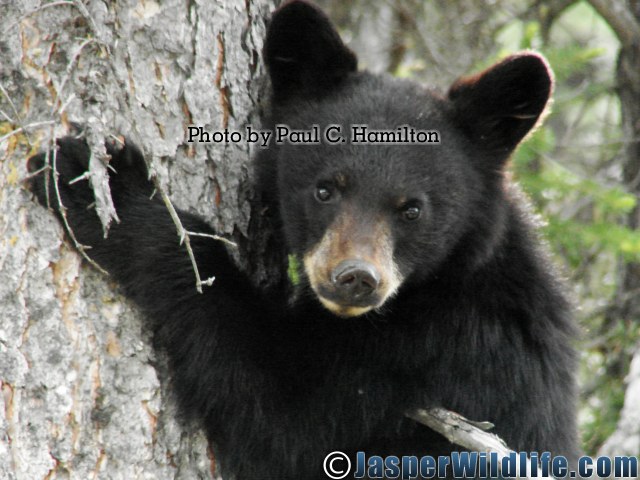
(185, 238)
(99, 175)
(469, 434)
(51, 162)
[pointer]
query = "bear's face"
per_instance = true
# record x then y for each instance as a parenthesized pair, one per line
(366, 217)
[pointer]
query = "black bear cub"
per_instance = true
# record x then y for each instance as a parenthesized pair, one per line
(422, 281)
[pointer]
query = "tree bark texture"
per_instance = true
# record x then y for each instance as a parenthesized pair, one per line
(626, 439)
(84, 395)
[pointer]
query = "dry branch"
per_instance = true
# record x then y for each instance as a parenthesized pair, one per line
(51, 160)
(470, 435)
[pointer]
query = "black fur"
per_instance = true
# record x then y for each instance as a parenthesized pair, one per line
(480, 324)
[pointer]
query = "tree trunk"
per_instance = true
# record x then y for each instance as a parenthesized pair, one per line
(626, 439)
(83, 393)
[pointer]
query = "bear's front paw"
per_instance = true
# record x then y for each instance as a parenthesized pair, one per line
(68, 164)
(128, 170)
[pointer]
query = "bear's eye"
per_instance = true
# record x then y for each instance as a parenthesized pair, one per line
(323, 194)
(411, 212)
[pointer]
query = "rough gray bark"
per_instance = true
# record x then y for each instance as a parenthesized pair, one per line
(626, 438)
(83, 394)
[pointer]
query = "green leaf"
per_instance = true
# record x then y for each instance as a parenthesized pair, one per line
(293, 271)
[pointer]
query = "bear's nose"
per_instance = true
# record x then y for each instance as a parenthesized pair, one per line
(355, 279)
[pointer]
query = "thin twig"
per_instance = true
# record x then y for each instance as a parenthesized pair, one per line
(85, 176)
(184, 239)
(36, 173)
(19, 119)
(69, 71)
(94, 28)
(63, 211)
(37, 10)
(215, 237)
(24, 128)
(117, 139)
(64, 105)
(6, 117)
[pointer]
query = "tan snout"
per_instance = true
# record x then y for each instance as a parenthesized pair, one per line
(351, 269)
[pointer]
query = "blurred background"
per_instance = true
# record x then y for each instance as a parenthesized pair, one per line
(581, 169)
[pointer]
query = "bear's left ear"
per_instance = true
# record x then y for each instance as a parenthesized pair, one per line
(304, 53)
(498, 106)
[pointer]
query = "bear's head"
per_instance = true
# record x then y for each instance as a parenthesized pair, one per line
(368, 217)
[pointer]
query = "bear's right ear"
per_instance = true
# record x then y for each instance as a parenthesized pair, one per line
(499, 106)
(304, 53)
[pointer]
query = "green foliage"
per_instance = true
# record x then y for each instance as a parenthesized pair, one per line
(570, 169)
(597, 208)
(571, 59)
(293, 269)
(602, 416)
(605, 393)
